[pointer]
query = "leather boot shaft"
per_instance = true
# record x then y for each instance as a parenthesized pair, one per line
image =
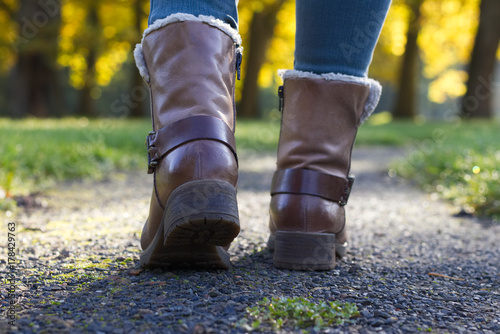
(192, 69)
(319, 124)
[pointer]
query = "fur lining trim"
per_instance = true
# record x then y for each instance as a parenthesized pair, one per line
(181, 17)
(141, 63)
(373, 97)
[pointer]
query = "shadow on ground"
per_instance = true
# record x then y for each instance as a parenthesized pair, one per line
(411, 265)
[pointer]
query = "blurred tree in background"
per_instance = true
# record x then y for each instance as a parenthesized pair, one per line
(74, 57)
(406, 99)
(97, 39)
(259, 33)
(432, 41)
(54, 50)
(477, 101)
(34, 84)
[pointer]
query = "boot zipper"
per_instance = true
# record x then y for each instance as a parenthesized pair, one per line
(238, 62)
(281, 96)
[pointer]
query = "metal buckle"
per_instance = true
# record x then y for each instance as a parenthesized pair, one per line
(347, 190)
(150, 147)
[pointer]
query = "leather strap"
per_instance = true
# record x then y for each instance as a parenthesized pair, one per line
(162, 142)
(314, 183)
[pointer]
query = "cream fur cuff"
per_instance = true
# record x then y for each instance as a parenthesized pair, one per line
(375, 87)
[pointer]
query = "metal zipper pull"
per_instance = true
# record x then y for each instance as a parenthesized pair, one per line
(238, 63)
(281, 96)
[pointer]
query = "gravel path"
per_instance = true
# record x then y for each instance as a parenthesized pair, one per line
(411, 267)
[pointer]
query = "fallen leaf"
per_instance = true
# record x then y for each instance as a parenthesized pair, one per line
(135, 271)
(445, 276)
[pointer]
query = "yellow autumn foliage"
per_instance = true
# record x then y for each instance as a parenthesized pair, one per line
(446, 38)
(8, 37)
(281, 48)
(112, 39)
(449, 84)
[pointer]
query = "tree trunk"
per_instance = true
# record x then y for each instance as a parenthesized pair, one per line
(261, 32)
(35, 89)
(477, 102)
(137, 83)
(86, 106)
(406, 99)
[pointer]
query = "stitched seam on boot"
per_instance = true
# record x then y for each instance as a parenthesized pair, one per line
(156, 191)
(306, 221)
(199, 164)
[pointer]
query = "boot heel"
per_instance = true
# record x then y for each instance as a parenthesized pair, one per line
(199, 221)
(201, 212)
(304, 251)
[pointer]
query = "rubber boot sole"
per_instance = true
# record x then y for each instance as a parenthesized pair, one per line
(200, 220)
(305, 251)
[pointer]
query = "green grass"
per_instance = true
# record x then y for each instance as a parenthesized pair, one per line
(459, 161)
(37, 153)
(264, 135)
(461, 164)
(300, 313)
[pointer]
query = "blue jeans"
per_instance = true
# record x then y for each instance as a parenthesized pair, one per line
(224, 10)
(332, 35)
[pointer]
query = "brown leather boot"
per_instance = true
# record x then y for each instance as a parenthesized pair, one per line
(321, 115)
(190, 64)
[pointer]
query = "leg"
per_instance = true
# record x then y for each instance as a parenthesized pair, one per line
(225, 10)
(342, 38)
(325, 99)
(190, 64)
